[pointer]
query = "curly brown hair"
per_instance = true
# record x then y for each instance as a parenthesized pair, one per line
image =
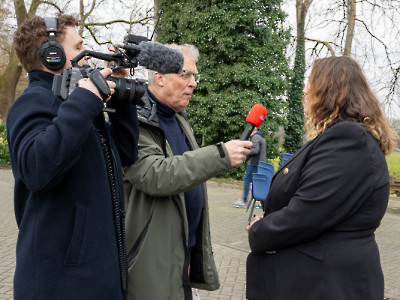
(32, 34)
(338, 91)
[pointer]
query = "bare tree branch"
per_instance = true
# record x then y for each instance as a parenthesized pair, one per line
(93, 35)
(49, 3)
(376, 38)
(326, 44)
(141, 21)
(33, 8)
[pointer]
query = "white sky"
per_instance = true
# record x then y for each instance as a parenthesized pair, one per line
(370, 55)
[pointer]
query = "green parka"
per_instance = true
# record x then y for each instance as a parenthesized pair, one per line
(156, 222)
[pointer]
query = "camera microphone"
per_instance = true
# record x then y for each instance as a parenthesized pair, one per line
(254, 119)
(157, 57)
(153, 55)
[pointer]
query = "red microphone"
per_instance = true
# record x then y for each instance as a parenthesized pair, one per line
(254, 119)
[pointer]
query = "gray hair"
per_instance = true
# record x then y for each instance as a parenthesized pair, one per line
(186, 49)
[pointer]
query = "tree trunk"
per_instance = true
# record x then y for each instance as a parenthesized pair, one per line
(294, 129)
(11, 75)
(351, 19)
(8, 84)
(156, 16)
(302, 7)
(156, 6)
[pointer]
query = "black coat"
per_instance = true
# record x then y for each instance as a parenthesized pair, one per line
(70, 224)
(316, 240)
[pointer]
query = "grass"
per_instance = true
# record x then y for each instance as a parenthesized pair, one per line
(393, 161)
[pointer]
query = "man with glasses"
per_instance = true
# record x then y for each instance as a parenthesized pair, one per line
(167, 220)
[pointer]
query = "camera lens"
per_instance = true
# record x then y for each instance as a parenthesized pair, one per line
(130, 90)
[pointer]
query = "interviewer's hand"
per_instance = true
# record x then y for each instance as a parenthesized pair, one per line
(256, 218)
(237, 151)
(86, 83)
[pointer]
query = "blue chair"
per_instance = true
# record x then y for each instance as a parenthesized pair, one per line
(266, 168)
(284, 157)
(260, 189)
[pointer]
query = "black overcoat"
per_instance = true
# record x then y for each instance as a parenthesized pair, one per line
(316, 240)
(69, 192)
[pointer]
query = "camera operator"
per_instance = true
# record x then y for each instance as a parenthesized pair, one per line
(167, 221)
(66, 160)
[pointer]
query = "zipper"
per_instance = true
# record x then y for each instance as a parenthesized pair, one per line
(119, 217)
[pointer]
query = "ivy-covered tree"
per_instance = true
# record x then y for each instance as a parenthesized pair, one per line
(294, 130)
(242, 46)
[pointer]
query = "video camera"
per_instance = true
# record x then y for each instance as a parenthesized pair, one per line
(135, 50)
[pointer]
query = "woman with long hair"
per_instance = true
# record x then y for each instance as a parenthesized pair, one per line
(316, 238)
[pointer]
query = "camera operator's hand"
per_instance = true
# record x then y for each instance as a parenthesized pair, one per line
(121, 72)
(86, 83)
(238, 151)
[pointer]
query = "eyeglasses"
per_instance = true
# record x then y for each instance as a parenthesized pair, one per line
(187, 75)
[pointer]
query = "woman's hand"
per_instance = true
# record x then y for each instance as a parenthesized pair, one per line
(256, 218)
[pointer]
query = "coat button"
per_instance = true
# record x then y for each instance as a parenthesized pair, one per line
(285, 171)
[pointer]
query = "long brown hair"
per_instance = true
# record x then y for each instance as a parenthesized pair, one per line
(338, 91)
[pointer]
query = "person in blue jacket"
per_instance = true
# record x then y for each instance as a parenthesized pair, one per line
(67, 162)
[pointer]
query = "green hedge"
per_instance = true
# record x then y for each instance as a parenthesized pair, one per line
(4, 154)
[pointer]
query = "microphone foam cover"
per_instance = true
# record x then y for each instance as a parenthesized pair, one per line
(157, 57)
(256, 115)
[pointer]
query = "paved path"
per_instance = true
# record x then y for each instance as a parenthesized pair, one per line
(231, 247)
(229, 242)
(8, 234)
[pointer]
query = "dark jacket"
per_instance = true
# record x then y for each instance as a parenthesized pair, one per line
(316, 240)
(156, 220)
(70, 242)
(258, 151)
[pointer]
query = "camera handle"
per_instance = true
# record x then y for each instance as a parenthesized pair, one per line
(117, 57)
(100, 82)
(64, 84)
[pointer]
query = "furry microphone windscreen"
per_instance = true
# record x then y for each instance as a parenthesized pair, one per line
(157, 57)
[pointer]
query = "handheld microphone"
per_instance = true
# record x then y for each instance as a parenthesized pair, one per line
(254, 119)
